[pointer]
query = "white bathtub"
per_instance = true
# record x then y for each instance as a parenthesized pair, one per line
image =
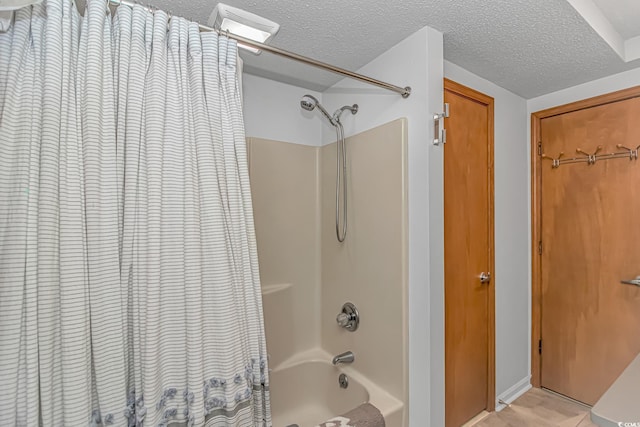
(308, 393)
(305, 391)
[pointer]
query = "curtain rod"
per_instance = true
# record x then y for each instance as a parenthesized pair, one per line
(404, 91)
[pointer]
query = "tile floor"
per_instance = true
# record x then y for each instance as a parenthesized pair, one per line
(539, 408)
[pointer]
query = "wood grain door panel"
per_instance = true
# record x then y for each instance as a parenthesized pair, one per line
(468, 252)
(590, 323)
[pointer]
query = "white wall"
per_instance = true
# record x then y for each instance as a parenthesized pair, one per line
(415, 62)
(586, 90)
(511, 278)
(272, 111)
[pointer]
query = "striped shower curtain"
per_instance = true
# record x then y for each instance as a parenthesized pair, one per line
(129, 286)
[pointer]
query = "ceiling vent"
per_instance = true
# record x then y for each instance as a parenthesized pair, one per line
(244, 24)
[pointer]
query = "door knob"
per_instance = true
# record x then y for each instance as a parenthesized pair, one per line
(485, 277)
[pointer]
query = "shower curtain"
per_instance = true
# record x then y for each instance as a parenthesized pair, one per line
(129, 285)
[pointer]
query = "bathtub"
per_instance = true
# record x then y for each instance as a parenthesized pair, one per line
(305, 391)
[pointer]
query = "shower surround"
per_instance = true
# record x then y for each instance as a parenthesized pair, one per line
(307, 274)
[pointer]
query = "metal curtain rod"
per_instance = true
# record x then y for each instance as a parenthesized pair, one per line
(404, 91)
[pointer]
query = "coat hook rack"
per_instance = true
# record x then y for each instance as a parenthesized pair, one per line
(590, 159)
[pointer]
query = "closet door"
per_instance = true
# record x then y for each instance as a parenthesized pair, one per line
(590, 233)
(468, 255)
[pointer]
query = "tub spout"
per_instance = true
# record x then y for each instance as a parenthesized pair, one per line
(346, 357)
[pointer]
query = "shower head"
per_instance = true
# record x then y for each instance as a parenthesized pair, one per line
(309, 102)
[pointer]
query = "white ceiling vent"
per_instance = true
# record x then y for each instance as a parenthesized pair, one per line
(244, 24)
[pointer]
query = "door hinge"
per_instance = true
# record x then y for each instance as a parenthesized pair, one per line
(440, 133)
(540, 247)
(539, 346)
(539, 148)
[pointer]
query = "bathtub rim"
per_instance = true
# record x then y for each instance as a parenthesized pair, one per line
(387, 404)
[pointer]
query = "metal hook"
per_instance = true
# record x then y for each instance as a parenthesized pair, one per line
(556, 162)
(591, 158)
(633, 154)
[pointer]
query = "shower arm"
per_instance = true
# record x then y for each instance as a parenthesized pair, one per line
(336, 116)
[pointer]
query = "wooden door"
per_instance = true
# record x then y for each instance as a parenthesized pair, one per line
(590, 322)
(468, 252)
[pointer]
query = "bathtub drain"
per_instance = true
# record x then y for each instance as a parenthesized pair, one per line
(343, 381)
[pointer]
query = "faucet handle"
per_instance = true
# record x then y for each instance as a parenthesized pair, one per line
(343, 319)
(348, 318)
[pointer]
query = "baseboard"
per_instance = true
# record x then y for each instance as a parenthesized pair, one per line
(514, 392)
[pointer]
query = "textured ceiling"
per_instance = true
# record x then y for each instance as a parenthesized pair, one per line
(528, 47)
